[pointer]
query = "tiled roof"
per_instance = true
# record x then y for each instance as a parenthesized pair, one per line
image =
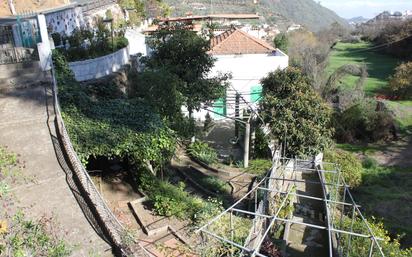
(236, 41)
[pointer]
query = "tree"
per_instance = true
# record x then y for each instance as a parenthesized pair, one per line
(184, 53)
(295, 113)
(160, 90)
(310, 54)
(401, 82)
(281, 42)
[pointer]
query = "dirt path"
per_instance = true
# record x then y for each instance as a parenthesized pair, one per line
(397, 153)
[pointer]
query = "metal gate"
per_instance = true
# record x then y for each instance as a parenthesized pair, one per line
(18, 40)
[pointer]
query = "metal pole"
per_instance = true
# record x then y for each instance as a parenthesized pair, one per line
(371, 248)
(231, 225)
(237, 115)
(112, 36)
(246, 151)
(351, 230)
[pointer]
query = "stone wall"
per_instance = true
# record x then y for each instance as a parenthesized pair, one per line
(100, 67)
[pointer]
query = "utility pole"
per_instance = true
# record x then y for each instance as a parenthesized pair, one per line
(246, 151)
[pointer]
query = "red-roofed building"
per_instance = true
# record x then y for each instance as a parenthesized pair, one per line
(248, 59)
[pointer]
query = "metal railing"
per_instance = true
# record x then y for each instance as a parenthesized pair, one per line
(111, 226)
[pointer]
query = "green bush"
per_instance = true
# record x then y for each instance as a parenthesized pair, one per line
(369, 163)
(214, 184)
(259, 166)
(350, 166)
(401, 82)
(101, 122)
(261, 149)
(98, 44)
(202, 152)
(360, 245)
(169, 200)
(362, 122)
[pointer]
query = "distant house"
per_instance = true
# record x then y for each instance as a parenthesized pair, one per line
(248, 59)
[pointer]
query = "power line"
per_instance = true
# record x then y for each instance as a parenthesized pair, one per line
(380, 46)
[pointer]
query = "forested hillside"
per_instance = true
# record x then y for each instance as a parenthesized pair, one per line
(281, 12)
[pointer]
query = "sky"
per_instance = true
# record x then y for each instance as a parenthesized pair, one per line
(365, 8)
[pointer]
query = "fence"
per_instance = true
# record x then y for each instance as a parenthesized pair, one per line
(113, 229)
(11, 54)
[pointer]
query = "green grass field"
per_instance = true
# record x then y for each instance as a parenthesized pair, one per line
(380, 67)
(385, 191)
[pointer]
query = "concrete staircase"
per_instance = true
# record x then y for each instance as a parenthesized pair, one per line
(20, 75)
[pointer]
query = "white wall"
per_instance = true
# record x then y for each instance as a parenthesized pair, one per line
(247, 70)
(65, 21)
(137, 41)
(100, 67)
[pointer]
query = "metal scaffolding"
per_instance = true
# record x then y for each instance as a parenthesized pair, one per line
(343, 221)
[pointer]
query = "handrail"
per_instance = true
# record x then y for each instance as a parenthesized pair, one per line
(112, 226)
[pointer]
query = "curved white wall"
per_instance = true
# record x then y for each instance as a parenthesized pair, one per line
(100, 67)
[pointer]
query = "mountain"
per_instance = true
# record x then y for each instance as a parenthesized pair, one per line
(281, 12)
(357, 20)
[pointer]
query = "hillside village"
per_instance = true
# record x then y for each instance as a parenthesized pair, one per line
(195, 128)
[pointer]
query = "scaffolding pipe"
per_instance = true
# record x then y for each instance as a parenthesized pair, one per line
(307, 196)
(270, 224)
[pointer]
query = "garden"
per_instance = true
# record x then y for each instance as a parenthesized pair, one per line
(85, 44)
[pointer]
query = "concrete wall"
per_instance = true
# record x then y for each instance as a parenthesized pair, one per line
(247, 71)
(99, 67)
(64, 21)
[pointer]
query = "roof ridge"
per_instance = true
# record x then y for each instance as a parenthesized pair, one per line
(257, 40)
(229, 32)
(219, 41)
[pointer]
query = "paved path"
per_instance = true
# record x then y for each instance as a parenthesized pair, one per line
(24, 129)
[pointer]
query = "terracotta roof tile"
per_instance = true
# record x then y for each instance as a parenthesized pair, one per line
(236, 41)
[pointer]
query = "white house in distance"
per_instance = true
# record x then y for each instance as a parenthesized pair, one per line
(248, 59)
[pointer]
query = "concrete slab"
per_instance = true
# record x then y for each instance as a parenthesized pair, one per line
(24, 130)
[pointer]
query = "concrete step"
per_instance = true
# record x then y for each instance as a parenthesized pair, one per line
(16, 69)
(24, 79)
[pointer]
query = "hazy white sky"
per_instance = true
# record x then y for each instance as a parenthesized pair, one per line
(366, 8)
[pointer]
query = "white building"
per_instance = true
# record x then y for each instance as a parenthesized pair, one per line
(248, 59)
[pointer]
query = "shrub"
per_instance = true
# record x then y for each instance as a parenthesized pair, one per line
(401, 82)
(261, 149)
(369, 163)
(202, 152)
(350, 166)
(214, 184)
(169, 200)
(259, 166)
(363, 122)
(85, 44)
(360, 245)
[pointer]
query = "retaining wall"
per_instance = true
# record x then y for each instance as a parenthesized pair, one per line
(101, 66)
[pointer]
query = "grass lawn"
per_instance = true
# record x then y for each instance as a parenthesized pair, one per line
(380, 67)
(386, 192)
(403, 114)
